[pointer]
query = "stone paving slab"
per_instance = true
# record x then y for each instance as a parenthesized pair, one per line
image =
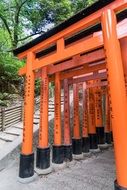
(11, 139)
(18, 125)
(7, 137)
(13, 131)
(36, 121)
(9, 148)
(2, 143)
(94, 173)
(37, 116)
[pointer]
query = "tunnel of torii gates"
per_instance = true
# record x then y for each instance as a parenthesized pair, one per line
(89, 52)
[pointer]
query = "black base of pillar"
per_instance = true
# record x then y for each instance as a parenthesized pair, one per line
(43, 158)
(112, 136)
(100, 135)
(58, 154)
(117, 187)
(26, 168)
(108, 138)
(77, 146)
(85, 144)
(93, 141)
(68, 152)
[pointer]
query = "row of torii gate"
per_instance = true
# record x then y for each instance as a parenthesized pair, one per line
(89, 48)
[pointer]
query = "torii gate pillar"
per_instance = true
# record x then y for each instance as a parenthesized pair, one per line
(91, 120)
(98, 115)
(85, 136)
(117, 95)
(67, 130)
(58, 148)
(108, 135)
(26, 169)
(43, 149)
(76, 140)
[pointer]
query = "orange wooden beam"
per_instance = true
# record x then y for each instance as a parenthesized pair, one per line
(74, 62)
(78, 48)
(84, 23)
(72, 51)
(77, 61)
(80, 71)
(86, 69)
(90, 77)
(121, 30)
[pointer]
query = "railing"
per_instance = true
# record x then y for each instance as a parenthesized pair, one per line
(13, 115)
(10, 116)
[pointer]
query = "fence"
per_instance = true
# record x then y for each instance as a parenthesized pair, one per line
(13, 115)
(9, 116)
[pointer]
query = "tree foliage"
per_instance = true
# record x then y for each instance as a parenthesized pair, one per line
(9, 65)
(77, 5)
(25, 18)
(20, 21)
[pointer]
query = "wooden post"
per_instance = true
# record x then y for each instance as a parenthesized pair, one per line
(108, 134)
(58, 149)
(43, 150)
(77, 140)
(91, 119)
(26, 169)
(3, 118)
(117, 96)
(98, 114)
(67, 131)
(85, 136)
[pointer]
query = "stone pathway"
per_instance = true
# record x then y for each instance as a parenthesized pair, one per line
(94, 173)
(11, 137)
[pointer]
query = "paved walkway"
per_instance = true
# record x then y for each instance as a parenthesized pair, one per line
(11, 137)
(14, 132)
(94, 173)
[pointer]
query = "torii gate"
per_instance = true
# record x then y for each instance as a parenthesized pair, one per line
(68, 46)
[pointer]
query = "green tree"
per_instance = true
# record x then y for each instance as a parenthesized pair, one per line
(20, 20)
(77, 5)
(9, 65)
(23, 19)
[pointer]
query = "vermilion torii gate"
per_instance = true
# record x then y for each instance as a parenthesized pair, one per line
(74, 48)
